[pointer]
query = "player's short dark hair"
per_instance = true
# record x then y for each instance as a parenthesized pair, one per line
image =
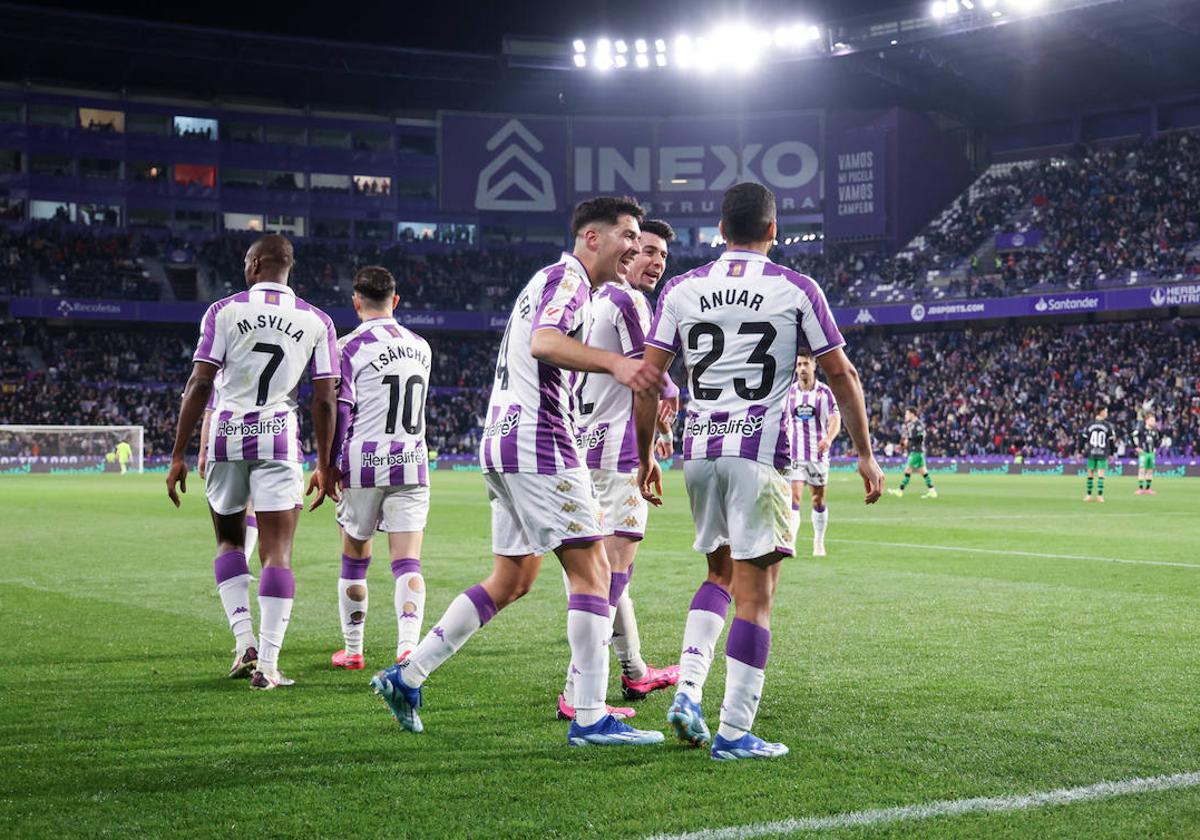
(747, 211)
(659, 228)
(806, 352)
(375, 283)
(913, 409)
(274, 248)
(604, 208)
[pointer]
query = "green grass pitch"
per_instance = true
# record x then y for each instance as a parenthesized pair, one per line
(899, 675)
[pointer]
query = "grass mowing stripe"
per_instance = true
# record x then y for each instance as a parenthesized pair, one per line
(1012, 553)
(945, 808)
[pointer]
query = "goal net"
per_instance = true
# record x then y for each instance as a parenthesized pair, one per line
(71, 449)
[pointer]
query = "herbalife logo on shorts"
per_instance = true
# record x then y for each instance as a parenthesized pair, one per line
(515, 170)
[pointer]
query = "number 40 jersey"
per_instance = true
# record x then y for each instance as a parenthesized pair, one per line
(262, 339)
(385, 379)
(738, 322)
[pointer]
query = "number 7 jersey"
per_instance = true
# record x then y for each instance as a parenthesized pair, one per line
(262, 339)
(385, 379)
(738, 322)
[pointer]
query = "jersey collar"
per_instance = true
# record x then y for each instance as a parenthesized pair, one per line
(382, 319)
(567, 256)
(274, 287)
(739, 254)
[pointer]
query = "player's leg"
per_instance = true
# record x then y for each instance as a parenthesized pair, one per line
(277, 491)
(930, 490)
(1149, 458)
(1091, 479)
(908, 469)
(251, 530)
(638, 679)
(352, 596)
(1100, 483)
(227, 488)
(409, 595)
(820, 518)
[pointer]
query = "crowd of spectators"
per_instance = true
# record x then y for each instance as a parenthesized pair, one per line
(1031, 390)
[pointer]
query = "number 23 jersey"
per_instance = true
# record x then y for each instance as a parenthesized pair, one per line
(385, 379)
(262, 339)
(738, 322)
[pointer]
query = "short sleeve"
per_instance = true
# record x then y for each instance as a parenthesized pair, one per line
(628, 322)
(832, 403)
(324, 363)
(346, 389)
(211, 347)
(562, 296)
(664, 331)
(817, 326)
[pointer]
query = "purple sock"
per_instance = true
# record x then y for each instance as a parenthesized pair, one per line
(251, 521)
(484, 605)
(616, 587)
(407, 565)
(712, 597)
(277, 582)
(748, 643)
(231, 564)
(354, 568)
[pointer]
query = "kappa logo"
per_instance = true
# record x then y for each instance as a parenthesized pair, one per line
(439, 632)
(492, 185)
(570, 507)
(632, 501)
(918, 312)
(694, 651)
(864, 316)
(574, 528)
(563, 486)
(240, 610)
(630, 522)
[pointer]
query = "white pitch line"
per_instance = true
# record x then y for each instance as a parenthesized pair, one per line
(1014, 553)
(945, 808)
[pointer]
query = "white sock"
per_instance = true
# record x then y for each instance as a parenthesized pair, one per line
(820, 519)
(276, 594)
(352, 601)
(746, 652)
(410, 602)
(705, 621)
(466, 614)
(569, 682)
(626, 641)
(589, 624)
(233, 585)
(251, 535)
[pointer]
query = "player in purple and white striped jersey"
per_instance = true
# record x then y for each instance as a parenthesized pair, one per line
(540, 491)
(385, 470)
(607, 441)
(261, 341)
(815, 423)
(739, 322)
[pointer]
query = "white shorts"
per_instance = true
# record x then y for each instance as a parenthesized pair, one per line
(535, 514)
(812, 473)
(269, 485)
(623, 511)
(742, 504)
(365, 510)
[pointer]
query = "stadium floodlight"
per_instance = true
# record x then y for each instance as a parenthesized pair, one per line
(640, 45)
(579, 45)
(602, 61)
(661, 60)
(937, 9)
(580, 60)
(604, 46)
(660, 45)
(684, 51)
(952, 7)
(642, 61)
(814, 33)
(783, 36)
(621, 46)
(621, 60)
(969, 5)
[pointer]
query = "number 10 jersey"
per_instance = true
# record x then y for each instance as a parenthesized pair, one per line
(385, 380)
(262, 339)
(739, 322)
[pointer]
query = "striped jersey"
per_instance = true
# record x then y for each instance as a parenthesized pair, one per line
(809, 412)
(529, 425)
(385, 379)
(262, 340)
(738, 322)
(603, 406)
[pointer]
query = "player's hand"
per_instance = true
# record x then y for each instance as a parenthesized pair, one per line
(176, 474)
(822, 447)
(668, 409)
(635, 374)
(664, 448)
(202, 465)
(325, 482)
(872, 477)
(650, 482)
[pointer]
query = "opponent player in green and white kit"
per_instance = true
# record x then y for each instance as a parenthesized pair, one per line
(1099, 438)
(912, 438)
(1146, 439)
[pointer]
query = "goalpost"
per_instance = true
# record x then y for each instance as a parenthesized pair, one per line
(71, 448)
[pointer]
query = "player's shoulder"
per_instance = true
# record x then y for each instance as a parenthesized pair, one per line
(697, 273)
(795, 281)
(301, 305)
(217, 306)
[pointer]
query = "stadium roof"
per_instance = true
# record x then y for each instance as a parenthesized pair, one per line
(1111, 52)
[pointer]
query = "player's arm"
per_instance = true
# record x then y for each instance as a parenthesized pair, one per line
(202, 460)
(835, 426)
(554, 347)
(195, 397)
(645, 417)
(843, 380)
(324, 418)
